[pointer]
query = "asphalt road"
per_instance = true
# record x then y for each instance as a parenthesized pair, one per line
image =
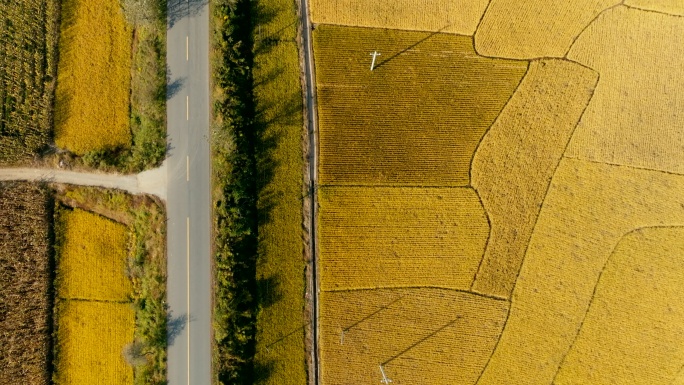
(189, 193)
(310, 95)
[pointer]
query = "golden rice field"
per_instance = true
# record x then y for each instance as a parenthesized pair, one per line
(90, 339)
(460, 16)
(588, 209)
(92, 258)
(419, 336)
(93, 77)
(640, 286)
(429, 87)
(504, 205)
(516, 160)
(377, 237)
(633, 118)
(95, 319)
(530, 29)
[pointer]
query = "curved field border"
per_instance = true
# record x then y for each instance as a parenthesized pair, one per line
(589, 207)
(529, 29)
(633, 118)
(635, 314)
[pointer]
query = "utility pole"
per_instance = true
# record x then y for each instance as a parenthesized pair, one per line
(374, 54)
(385, 380)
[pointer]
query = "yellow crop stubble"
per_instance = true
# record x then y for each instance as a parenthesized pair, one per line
(453, 16)
(417, 118)
(516, 159)
(633, 118)
(90, 341)
(419, 336)
(91, 262)
(589, 208)
(633, 331)
(529, 29)
(374, 237)
(93, 78)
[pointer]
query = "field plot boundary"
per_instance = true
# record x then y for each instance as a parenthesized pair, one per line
(598, 16)
(639, 8)
(629, 166)
(483, 295)
(526, 52)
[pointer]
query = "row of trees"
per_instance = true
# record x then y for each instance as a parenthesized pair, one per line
(236, 142)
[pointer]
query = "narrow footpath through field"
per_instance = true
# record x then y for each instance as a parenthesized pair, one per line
(148, 182)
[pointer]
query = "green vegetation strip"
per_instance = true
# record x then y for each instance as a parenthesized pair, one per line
(260, 269)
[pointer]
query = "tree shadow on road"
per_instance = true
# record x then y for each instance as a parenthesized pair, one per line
(179, 9)
(175, 326)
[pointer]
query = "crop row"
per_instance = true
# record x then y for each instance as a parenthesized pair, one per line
(460, 16)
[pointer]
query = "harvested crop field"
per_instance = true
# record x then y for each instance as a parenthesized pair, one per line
(417, 336)
(25, 284)
(93, 80)
(375, 237)
(634, 117)
(589, 208)
(90, 340)
(461, 16)
(517, 158)
(28, 39)
(640, 286)
(416, 119)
